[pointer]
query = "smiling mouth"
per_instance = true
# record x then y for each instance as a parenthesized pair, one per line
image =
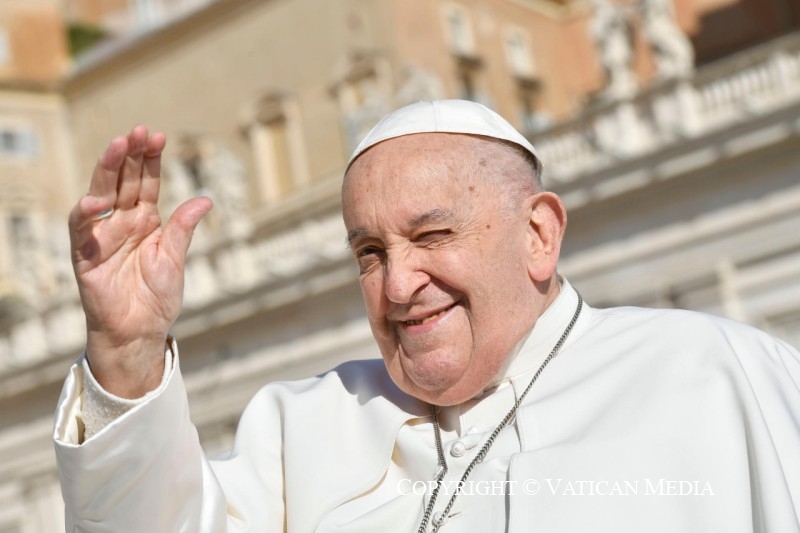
(427, 318)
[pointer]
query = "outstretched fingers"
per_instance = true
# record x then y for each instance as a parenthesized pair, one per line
(106, 172)
(102, 194)
(130, 167)
(130, 180)
(151, 171)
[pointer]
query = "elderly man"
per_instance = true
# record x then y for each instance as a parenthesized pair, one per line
(503, 402)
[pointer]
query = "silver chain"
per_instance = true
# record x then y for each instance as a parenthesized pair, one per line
(481, 455)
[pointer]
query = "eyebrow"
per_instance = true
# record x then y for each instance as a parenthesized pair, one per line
(434, 215)
(353, 235)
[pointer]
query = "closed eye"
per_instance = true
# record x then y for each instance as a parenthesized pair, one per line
(433, 236)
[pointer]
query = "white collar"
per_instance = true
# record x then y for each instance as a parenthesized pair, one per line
(531, 351)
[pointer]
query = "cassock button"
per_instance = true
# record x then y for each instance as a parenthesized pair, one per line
(458, 449)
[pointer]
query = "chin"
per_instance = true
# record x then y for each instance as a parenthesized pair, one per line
(447, 397)
(444, 391)
(439, 378)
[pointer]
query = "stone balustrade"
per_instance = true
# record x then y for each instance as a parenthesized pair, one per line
(239, 266)
(226, 268)
(718, 96)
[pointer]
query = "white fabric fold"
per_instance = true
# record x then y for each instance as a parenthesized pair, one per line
(99, 407)
(650, 400)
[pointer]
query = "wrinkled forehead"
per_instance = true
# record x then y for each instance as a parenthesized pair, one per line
(404, 179)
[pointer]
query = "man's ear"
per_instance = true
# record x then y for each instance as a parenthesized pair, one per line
(546, 227)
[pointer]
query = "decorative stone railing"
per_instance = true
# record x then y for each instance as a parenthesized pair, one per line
(240, 265)
(221, 269)
(225, 269)
(718, 96)
(58, 329)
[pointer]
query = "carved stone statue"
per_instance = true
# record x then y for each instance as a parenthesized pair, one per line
(206, 167)
(672, 51)
(180, 186)
(182, 181)
(611, 30)
(227, 179)
(374, 105)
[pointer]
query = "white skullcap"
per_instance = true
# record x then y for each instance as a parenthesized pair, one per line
(446, 116)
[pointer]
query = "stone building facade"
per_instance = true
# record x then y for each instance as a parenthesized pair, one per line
(673, 143)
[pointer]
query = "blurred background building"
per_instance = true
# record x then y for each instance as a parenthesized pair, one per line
(671, 128)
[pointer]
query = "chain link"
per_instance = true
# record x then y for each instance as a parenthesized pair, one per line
(481, 455)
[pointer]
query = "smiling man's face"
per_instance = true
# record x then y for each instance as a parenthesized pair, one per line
(446, 266)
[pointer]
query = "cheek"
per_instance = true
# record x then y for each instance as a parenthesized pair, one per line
(375, 303)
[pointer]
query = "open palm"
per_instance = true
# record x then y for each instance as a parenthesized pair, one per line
(130, 269)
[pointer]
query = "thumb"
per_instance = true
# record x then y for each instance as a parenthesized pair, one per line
(177, 234)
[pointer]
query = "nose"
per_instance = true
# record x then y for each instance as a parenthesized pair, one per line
(403, 277)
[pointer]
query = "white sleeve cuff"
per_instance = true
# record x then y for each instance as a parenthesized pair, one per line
(99, 407)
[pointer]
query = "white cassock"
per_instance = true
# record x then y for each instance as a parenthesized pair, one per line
(647, 420)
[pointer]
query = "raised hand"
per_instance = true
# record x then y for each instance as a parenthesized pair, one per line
(130, 269)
